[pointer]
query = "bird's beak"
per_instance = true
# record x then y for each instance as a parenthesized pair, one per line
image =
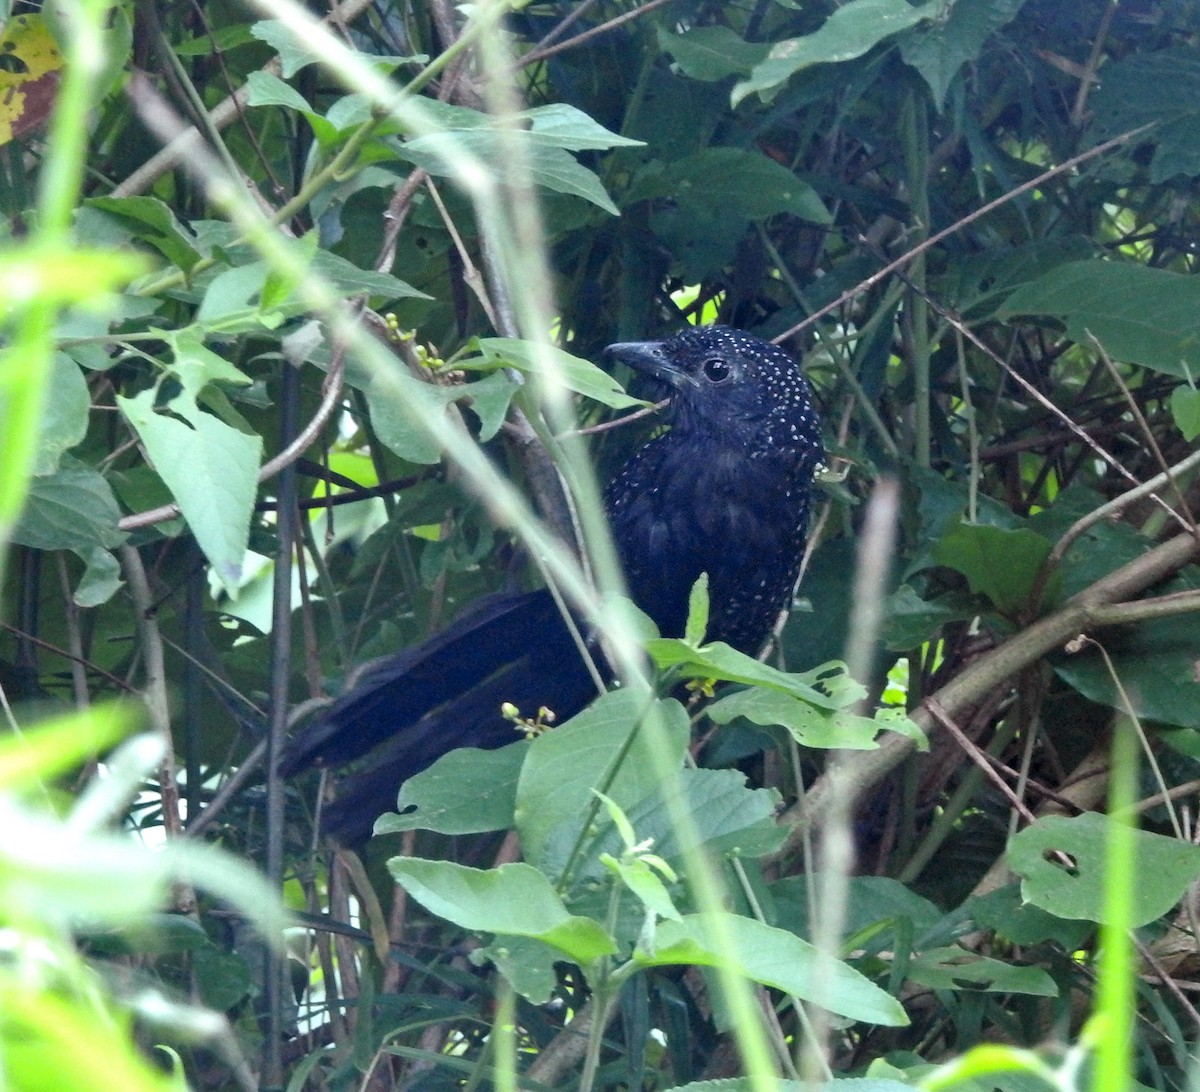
(648, 358)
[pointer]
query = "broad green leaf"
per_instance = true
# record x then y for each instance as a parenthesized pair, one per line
(940, 49)
(774, 958)
(576, 374)
(810, 725)
(467, 791)
(196, 365)
(212, 472)
(1185, 408)
(1165, 868)
(1140, 315)
(222, 977)
(721, 662)
(397, 401)
(711, 53)
(528, 964)
(871, 900)
(911, 620)
(231, 300)
(294, 52)
(732, 182)
(352, 280)
(559, 125)
(728, 817)
(490, 399)
(606, 747)
(646, 885)
(1019, 922)
(513, 900)
(65, 417)
(450, 153)
(269, 90)
(1155, 661)
(101, 578)
(959, 969)
(214, 38)
(998, 563)
(1159, 87)
(153, 223)
(852, 30)
(74, 509)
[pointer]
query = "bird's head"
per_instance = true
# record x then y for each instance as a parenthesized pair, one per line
(733, 386)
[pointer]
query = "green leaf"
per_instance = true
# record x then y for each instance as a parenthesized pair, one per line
(646, 885)
(74, 509)
(576, 374)
(294, 52)
(350, 279)
(721, 662)
(154, 223)
(559, 125)
(269, 90)
(467, 791)
(711, 53)
(397, 402)
(554, 793)
(1185, 408)
(1010, 917)
(1158, 87)
(731, 182)
(101, 578)
(871, 900)
(222, 977)
(911, 620)
(1155, 661)
(65, 416)
(999, 563)
(1165, 868)
(852, 30)
(697, 619)
(231, 300)
(958, 969)
(811, 726)
(448, 153)
(1140, 315)
(774, 958)
(221, 39)
(514, 899)
(728, 817)
(528, 965)
(212, 472)
(196, 366)
(939, 50)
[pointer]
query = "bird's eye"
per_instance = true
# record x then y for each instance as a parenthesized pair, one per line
(716, 370)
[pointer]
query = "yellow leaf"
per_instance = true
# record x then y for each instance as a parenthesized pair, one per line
(30, 66)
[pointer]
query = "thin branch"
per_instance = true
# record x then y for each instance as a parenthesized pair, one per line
(1033, 184)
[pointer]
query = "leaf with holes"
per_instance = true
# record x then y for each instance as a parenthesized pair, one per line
(1165, 868)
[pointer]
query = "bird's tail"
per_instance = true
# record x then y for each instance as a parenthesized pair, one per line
(446, 693)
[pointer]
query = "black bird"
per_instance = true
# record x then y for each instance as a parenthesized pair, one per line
(725, 491)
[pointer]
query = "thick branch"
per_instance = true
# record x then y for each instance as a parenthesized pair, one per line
(1090, 608)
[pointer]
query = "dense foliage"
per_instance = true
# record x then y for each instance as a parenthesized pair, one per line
(300, 306)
